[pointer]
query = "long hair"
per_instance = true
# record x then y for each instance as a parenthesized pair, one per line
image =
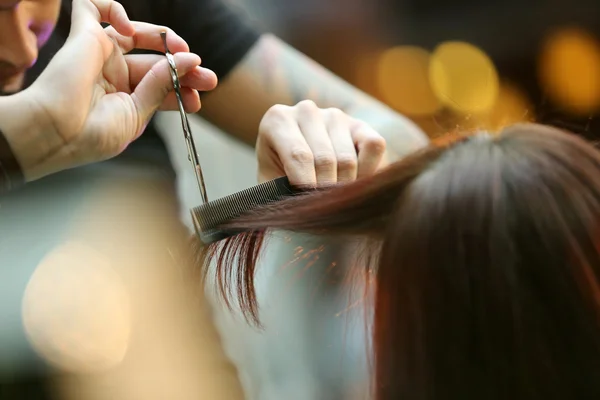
(486, 265)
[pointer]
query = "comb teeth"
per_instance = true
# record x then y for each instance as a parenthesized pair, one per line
(208, 217)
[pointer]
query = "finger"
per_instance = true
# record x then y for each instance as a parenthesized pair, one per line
(370, 147)
(343, 145)
(312, 125)
(86, 12)
(86, 38)
(156, 85)
(198, 78)
(147, 37)
(282, 134)
(191, 101)
(201, 79)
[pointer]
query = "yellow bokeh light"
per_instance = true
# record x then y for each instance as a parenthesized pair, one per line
(512, 106)
(569, 70)
(365, 72)
(463, 77)
(76, 310)
(403, 81)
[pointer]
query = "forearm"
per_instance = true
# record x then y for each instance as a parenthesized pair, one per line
(37, 151)
(275, 73)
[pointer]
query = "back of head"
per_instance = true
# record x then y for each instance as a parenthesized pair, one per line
(488, 278)
(487, 265)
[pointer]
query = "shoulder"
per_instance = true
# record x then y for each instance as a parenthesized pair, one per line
(172, 12)
(137, 10)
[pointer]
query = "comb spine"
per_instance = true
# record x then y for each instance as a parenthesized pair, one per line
(207, 217)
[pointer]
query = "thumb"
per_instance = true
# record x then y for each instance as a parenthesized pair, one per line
(156, 84)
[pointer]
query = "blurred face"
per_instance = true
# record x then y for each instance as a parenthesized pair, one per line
(25, 26)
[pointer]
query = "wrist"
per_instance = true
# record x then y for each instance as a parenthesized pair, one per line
(30, 136)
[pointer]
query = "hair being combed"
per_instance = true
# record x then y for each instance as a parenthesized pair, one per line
(315, 212)
(486, 271)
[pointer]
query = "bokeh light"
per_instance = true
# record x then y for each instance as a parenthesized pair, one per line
(512, 105)
(569, 70)
(403, 81)
(365, 72)
(76, 310)
(463, 77)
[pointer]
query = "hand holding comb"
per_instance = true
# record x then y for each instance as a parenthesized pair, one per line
(209, 216)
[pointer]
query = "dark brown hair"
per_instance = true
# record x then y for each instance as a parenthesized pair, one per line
(486, 265)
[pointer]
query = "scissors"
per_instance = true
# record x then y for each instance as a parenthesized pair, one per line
(187, 132)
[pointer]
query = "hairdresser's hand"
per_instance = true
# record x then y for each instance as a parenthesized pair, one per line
(314, 146)
(95, 99)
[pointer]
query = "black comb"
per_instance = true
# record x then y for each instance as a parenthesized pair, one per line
(210, 216)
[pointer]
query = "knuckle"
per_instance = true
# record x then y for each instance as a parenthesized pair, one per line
(335, 113)
(375, 144)
(347, 162)
(277, 110)
(307, 106)
(325, 161)
(302, 156)
(273, 119)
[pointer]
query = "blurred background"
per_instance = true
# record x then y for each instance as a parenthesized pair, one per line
(449, 66)
(460, 64)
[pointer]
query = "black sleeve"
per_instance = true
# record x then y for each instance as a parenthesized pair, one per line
(216, 32)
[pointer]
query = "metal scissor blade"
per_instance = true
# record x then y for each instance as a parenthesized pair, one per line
(187, 132)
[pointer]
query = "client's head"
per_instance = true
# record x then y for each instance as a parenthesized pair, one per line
(487, 265)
